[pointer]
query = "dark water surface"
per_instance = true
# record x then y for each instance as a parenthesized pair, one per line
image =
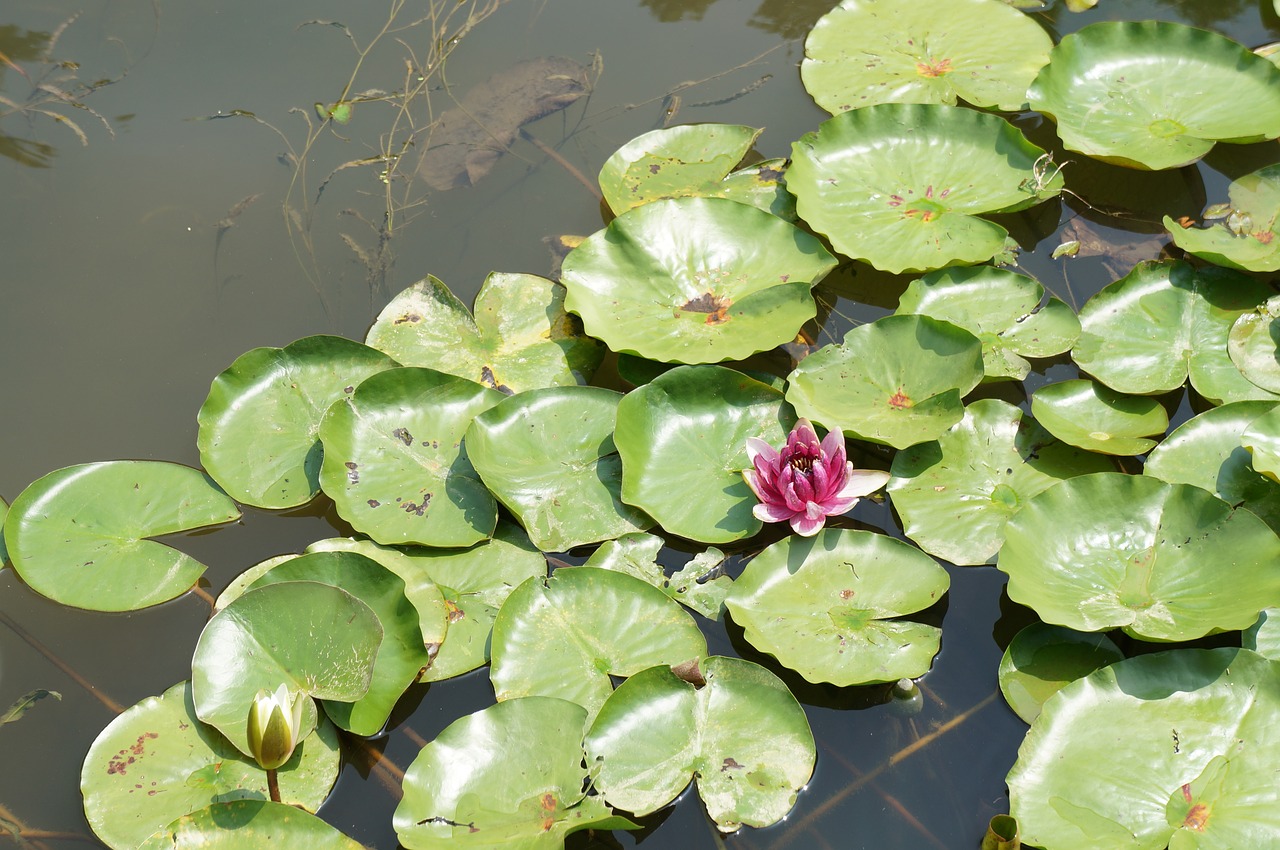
(121, 297)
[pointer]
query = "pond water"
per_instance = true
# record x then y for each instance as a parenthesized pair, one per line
(137, 266)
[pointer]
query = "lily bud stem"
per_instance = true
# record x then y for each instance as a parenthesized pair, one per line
(273, 785)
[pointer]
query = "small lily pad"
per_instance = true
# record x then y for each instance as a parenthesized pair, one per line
(698, 585)
(1263, 637)
(258, 425)
(898, 380)
(471, 583)
(695, 280)
(1096, 418)
(566, 635)
(683, 442)
(739, 734)
(1002, 309)
(1249, 237)
(249, 825)
(830, 606)
(1165, 321)
(1206, 451)
(311, 637)
(463, 790)
(1110, 550)
(157, 761)
(1253, 345)
(1169, 749)
(684, 161)
(865, 52)
(548, 456)
(977, 475)
(394, 464)
(1262, 440)
(520, 337)
(1113, 89)
(1041, 659)
(78, 535)
(903, 186)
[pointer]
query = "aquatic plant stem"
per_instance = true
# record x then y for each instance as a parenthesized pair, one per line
(901, 755)
(390, 774)
(893, 801)
(39, 647)
(562, 162)
(273, 785)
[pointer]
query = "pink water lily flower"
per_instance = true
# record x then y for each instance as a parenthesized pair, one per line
(807, 481)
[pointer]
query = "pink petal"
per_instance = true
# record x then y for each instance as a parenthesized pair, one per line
(833, 446)
(803, 434)
(862, 482)
(821, 479)
(807, 525)
(758, 448)
(766, 512)
(803, 488)
(753, 481)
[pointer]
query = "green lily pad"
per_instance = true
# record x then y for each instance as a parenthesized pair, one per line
(696, 585)
(1249, 238)
(1002, 309)
(78, 535)
(1176, 748)
(828, 606)
(402, 652)
(1115, 90)
(157, 761)
(311, 637)
(1263, 637)
(695, 280)
(1110, 550)
(472, 585)
(684, 161)
(901, 186)
(1253, 346)
(1165, 321)
(1041, 659)
(975, 477)
(1096, 418)
(548, 456)
(258, 424)
(865, 52)
(462, 790)
(566, 635)
(520, 338)
(897, 380)
(1261, 439)
(238, 585)
(683, 442)
(763, 185)
(1206, 451)
(739, 734)
(249, 825)
(394, 464)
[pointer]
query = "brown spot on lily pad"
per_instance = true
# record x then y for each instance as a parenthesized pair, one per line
(934, 68)
(403, 435)
(715, 306)
(407, 318)
(1197, 818)
(900, 400)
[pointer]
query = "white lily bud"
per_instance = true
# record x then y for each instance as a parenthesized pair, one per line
(274, 723)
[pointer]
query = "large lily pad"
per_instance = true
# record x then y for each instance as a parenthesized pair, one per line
(1097, 418)
(394, 464)
(1111, 550)
(463, 791)
(1248, 237)
(1165, 321)
(78, 535)
(1117, 93)
(309, 636)
(1262, 440)
(258, 425)
(865, 52)
(157, 761)
(520, 338)
(828, 606)
(1173, 749)
(1206, 451)
(689, 160)
(901, 186)
(695, 280)
(1253, 346)
(566, 635)
(1002, 309)
(249, 825)
(471, 583)
(548, 456)
(1263, 637)
(740, 735)
(683, 442)
(401, 654)
(1041, 659)
(898, 380)
(700, 584)
(977, 475)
